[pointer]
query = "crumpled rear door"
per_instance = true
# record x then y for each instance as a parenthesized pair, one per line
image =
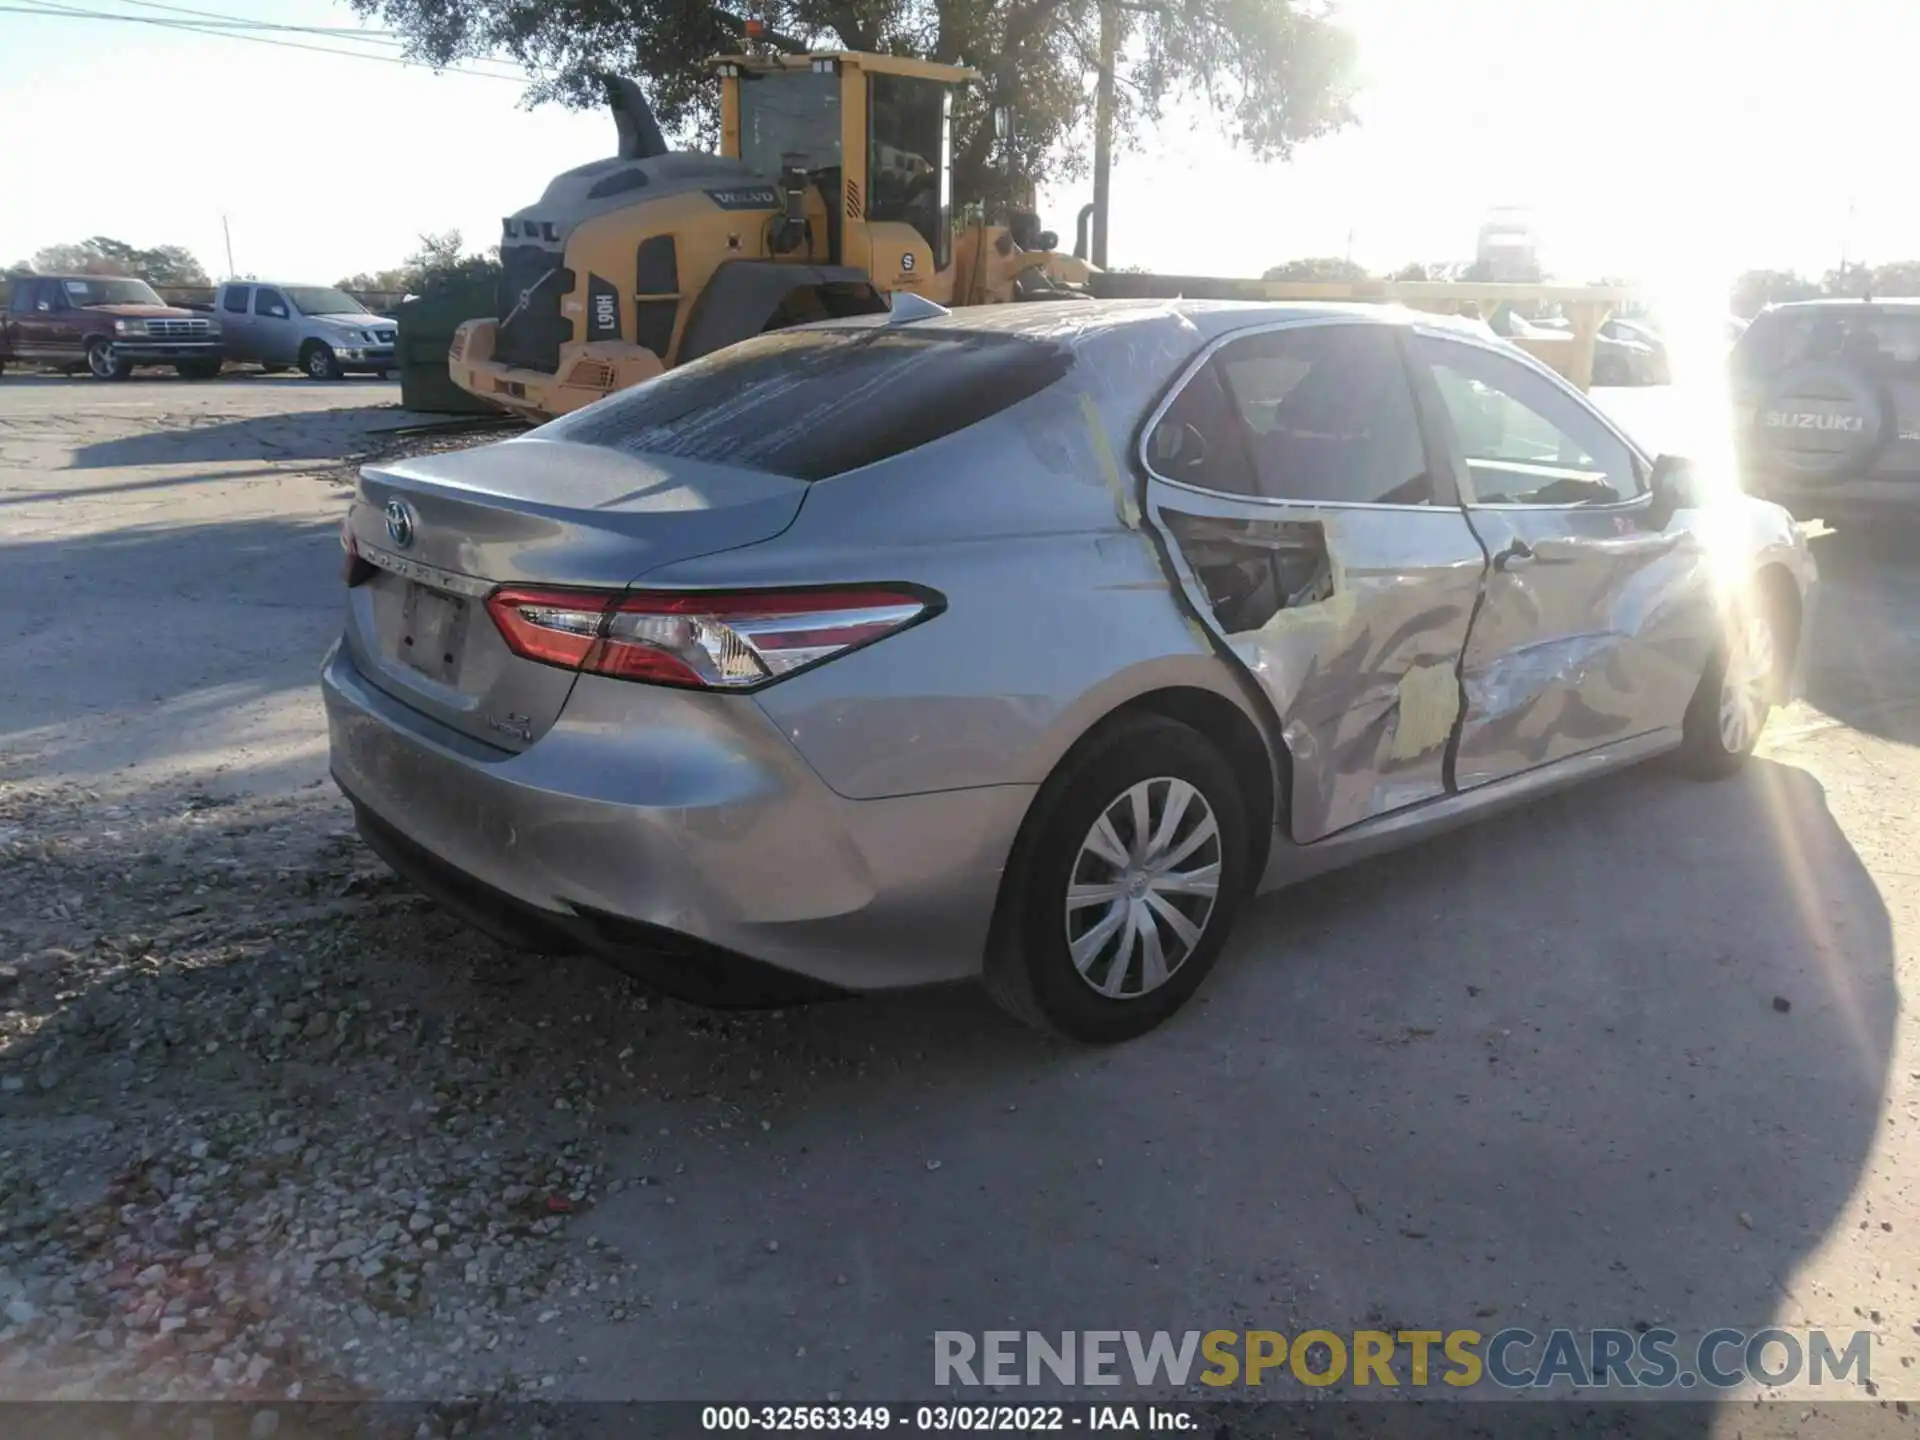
(1351, 616)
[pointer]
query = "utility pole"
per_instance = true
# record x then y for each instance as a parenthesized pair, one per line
(224, 230)
(1103, 133)
(1103, 116)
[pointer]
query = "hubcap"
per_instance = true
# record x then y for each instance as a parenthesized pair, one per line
(100, 360)
(1745, 685)
(317, 364)
(1142, 888)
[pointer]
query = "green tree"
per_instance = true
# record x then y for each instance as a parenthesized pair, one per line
(1273, 72)
(1413, 271)
(1754, 290)
(1849, 279)
(440, 259)
(1319, 268)
(391, 282)
(1897, 277)
(103, 255)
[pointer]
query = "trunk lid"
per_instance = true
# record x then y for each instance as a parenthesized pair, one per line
(443, 531)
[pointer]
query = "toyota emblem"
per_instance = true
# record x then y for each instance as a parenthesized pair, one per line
(400, 523)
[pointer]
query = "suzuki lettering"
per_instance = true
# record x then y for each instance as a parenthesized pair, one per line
(1803, 420)
(400, 523)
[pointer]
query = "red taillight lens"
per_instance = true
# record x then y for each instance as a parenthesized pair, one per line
(732, 640)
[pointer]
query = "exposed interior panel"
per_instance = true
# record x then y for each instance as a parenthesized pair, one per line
(1253, 569)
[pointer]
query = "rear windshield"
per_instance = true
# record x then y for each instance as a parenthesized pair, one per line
(1882, 342)
(813, 403)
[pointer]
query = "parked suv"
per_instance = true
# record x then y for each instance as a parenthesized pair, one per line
(326, 332)
(1826, 398)
(107, 324)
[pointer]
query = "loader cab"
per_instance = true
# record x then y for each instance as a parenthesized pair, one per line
(873, 136)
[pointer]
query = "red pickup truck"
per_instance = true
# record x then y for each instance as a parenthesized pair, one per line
(105, 324)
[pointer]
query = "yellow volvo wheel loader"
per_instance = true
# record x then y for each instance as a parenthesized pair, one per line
(832, 194)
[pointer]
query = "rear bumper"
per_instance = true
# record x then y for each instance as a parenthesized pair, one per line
(532, 393)
(647, 818)
(587, 370)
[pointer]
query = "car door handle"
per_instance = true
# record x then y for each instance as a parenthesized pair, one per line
(1517, 556)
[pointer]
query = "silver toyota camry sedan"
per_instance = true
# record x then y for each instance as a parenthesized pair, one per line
(1025, 644)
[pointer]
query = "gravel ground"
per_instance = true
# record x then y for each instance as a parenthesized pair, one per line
(274, 1123)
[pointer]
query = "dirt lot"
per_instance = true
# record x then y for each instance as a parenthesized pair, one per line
(268, 1120)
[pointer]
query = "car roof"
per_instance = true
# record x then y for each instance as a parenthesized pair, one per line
(1074, 320)
(1848, 302)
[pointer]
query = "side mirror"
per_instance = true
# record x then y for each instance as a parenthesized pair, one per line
(1675, 485)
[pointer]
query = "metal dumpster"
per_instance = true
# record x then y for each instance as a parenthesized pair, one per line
(427, 323)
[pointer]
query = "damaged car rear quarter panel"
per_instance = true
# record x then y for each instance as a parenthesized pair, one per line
(1021, 527)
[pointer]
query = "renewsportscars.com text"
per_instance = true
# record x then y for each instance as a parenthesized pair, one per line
(1511, 1359)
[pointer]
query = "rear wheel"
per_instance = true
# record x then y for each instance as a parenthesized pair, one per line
(318, 360)
(1735, 695)
(1126, 887)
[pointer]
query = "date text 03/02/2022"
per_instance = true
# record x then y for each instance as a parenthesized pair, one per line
(944, 1417)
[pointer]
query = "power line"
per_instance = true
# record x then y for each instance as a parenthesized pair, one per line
(48, 10)
(241, 22)
(224, 25)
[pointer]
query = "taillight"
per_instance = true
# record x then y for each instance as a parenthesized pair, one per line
(709, 640)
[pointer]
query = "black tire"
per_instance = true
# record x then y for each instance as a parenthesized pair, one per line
(101, 362)
(319, 362)
(1714, 744)
(198, 369)
(1030, 969)
(1609, 370)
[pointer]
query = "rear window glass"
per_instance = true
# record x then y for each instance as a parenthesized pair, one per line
(814, 403)
(1882, 342)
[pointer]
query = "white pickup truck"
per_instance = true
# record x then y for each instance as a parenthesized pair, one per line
(324, 331)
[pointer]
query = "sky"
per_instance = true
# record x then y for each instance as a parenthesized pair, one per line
(1675, 140)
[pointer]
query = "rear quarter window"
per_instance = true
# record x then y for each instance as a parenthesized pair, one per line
(1882, 343)
(811, 404)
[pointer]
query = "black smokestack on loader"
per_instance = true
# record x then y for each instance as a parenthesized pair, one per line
(640, 137)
